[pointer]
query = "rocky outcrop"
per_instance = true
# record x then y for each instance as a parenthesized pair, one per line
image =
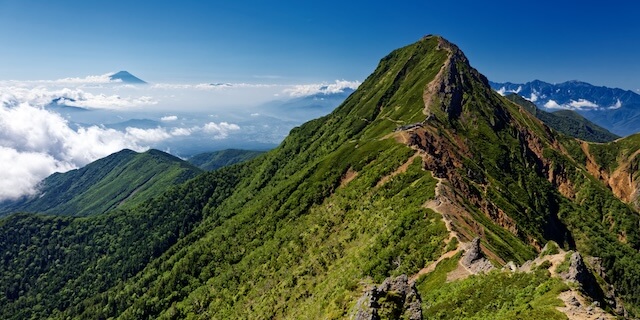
(447, 92)
(578, 308)
(610, 297)
(580, 274)
(394, 298)
(473, 252)
(367, 306)
(474, 260)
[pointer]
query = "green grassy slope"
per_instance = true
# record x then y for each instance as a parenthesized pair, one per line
(125, 178)
(340, 205)
(215, 160)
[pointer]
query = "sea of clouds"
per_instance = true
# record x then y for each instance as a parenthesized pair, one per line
(60, 125)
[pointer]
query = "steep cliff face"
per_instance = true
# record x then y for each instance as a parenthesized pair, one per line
(617, 165)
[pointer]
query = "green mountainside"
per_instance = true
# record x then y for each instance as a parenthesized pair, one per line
(567, 122)
(125, 178)
(364, 213)
(54, 262)
(215, 160)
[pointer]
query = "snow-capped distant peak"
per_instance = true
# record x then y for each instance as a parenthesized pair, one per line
(126, 77)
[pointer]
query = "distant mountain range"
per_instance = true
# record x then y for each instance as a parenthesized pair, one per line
(308, 107)
(614, 109)
(126, 77)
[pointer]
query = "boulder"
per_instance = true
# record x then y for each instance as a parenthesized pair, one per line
(396, 295)
(474, 260)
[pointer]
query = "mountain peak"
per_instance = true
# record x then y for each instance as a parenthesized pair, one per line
(126, 77)
(446, 93)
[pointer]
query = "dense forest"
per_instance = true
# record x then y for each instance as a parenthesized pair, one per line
(215, 160)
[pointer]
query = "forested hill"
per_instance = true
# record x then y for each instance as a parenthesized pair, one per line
(364, 213)
(125, 178)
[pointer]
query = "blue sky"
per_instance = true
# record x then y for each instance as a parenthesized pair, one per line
(303, 41)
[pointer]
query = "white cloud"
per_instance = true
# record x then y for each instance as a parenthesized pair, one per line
(147, 135)
(169, 118)
(102, 101)
(215, 85)
(551, 104)
(582, 104)
(503, 91)
(323, 88)
(34, 143)
(171, 86)
(533, 97)
(42, 96)
(220, 130)
(101, 79)
(211, 86)
(617, 105)
(99, 92)
(24, 170)
(181, 132)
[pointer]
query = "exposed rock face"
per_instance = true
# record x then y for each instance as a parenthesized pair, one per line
(623, 181)
(580, 274)
(394, 298)
(473, 252)
(450, 84)
(596, 266)
(610, 296)
(474, 260)
(367, 307)
(578, 271)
